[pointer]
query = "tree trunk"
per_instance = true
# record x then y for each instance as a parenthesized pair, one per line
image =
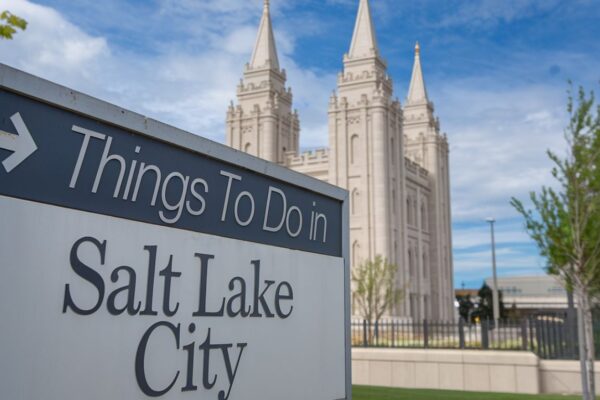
(585, 388)
(586, 342)
(589, 342)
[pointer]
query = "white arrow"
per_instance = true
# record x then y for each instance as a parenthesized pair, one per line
(21, 145)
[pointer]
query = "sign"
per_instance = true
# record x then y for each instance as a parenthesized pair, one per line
(141, 261)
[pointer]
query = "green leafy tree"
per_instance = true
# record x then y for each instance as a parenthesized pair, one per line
(565, 219)
(9, 23)
(465, 307)
(485, 306)
(375, 290)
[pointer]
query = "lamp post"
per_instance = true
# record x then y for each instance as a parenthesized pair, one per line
(495, 295)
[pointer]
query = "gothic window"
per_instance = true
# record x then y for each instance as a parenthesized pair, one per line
(414, 307)
(411, 267)
(425, 266)
(408, 209)
(355, 202)
(355, 253)
(353, 149)
(423, 216)
(414, 212)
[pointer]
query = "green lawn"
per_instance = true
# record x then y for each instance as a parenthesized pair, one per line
(378, 393)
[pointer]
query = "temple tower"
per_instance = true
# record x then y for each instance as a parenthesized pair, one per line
(426, 146)
(263, 124)
(366, 151)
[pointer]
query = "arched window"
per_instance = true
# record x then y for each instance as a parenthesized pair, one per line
(408, 210)
(423, 216)
(353, 149)
(355, 253)
(248, 148)
(411, 268)
(392, 150)
(415, 211)
(425, 266)
(355, 202)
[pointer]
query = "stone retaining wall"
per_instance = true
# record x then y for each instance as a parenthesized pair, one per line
(466, 370)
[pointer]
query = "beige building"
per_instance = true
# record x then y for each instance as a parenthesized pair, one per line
(532, 293)
(393, 160)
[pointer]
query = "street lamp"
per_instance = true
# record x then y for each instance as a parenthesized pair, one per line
(495, 296)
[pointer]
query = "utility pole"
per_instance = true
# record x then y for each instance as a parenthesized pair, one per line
(495, 294)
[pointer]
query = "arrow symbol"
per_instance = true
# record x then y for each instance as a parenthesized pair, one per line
(22, 145)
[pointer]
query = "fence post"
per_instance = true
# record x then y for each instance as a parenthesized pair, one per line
(425, 334)
(539, 338)
(376, 333)
(365, 340)
(485, 340)
(461, 333)
(532, 343)
(524, 334)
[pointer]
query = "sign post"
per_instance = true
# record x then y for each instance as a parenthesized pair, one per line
(140, 261)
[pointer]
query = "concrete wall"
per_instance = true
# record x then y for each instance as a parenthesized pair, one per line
(465, 370)
(563, 376)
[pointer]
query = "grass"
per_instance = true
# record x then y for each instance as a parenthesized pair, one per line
(379, 393)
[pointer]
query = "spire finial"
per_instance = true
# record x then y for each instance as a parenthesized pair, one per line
(364, 43)
(417, 93)
(265, 51)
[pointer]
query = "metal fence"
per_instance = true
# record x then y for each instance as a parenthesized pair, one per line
(549, 336)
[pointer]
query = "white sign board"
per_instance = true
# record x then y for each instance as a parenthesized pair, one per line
(140, 261)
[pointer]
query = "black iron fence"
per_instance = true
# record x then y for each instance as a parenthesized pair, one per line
(549, 336)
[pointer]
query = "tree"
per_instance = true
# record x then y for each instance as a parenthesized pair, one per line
(465, 307)
(9, 23)
(485, 307)
(565, 220)
(375, 289)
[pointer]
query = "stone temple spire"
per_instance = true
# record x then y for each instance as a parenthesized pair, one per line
(364, 42)
(265, 51)
(263, 123)
(417, 93)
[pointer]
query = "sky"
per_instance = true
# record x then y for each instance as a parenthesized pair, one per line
(496, 70)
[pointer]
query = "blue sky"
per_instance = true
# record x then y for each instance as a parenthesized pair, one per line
(496, 70)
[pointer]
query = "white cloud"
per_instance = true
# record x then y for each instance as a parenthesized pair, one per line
(52, 46)
(477, 235)
(498, 138)
(190, 90)
(498, 142)
(311, 90)
(240, 40)
(480, 264)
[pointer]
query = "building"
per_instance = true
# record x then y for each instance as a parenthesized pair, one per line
(393, 160)
(531, 294)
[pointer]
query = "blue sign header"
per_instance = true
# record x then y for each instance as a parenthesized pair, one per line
(56, 156)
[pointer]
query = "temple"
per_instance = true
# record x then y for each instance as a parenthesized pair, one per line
(392, 159)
